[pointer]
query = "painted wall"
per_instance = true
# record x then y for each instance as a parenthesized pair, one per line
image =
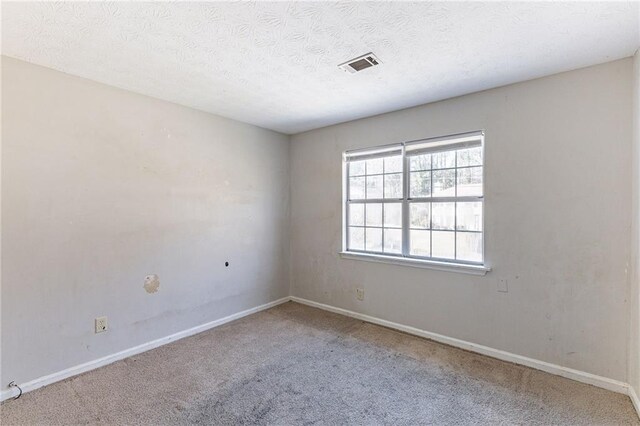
(102, 187)
(558, 217)
(634, 340)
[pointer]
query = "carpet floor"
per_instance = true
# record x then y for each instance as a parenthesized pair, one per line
(293, 364)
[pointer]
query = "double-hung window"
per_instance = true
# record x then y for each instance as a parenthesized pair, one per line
(421, 201)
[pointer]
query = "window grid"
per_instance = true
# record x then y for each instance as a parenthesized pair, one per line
(383, 202)
(406, 201)
(432, 200)
(455, 207)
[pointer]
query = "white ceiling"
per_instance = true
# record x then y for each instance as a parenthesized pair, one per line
(275, 64)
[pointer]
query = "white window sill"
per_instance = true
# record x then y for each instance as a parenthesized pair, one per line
(418, 263)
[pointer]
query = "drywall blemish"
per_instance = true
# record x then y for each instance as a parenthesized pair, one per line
(151, 283)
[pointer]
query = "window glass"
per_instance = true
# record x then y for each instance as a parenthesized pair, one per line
(356, 188)
(420, 243)
(374, 166)
(444, 183)
(469, 246)
(356, 238)
(469, 157)
(373, 214)
(393, 185)
(443, 160)
(356, 214)
(420, 162)
(439, 210)
(393, 164)
(420, 215)
(443, 245)
(420, 184)
(392, 240)
(470, 181)
(393, 215)
(373, 239)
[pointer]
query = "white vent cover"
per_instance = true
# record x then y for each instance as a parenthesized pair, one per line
(360, 63)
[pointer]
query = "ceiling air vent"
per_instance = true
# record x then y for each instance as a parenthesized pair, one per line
(360, 63)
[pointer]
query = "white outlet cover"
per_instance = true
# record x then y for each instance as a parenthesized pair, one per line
(101, 324)
(360, 293)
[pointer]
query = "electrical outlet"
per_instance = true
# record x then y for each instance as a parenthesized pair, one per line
(503, 285)
(101, 324)
(360, 293)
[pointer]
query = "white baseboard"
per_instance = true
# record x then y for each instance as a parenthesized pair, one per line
(635, 399)
(558, 370)
(580, 376)
(100, 362)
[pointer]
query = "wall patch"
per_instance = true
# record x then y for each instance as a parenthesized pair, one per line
(151, 283)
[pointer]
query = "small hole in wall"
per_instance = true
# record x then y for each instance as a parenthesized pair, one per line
(226, 263)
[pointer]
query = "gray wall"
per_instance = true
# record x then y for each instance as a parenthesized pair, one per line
(558, 217)
(634, 339)
(102, 187)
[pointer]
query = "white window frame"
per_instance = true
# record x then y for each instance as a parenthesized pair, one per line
(405, 258)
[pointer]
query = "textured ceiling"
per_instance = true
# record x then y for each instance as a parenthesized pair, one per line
(275, 64)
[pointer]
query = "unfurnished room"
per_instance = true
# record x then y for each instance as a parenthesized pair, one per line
(328, 213)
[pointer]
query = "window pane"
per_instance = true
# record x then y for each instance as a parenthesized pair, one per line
(393, 186)
(374, 214)
(393, 164)
(374, 166)
(469, 246)
(420, 184)
(420, 162)
(393, 215)
(443, 244)
(392, 240)
(443, 160)
(374, 187)
(470, 181)
(420, 243)
(443, 215)
(356, 214)
(356, 238)
(470, 157)
(356, 168)
(419, 214)
(373, 241)
(469, 216)
(444, 182)
(356, 188)
(447, 229)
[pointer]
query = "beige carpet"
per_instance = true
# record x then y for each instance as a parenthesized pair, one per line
(297, 365)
